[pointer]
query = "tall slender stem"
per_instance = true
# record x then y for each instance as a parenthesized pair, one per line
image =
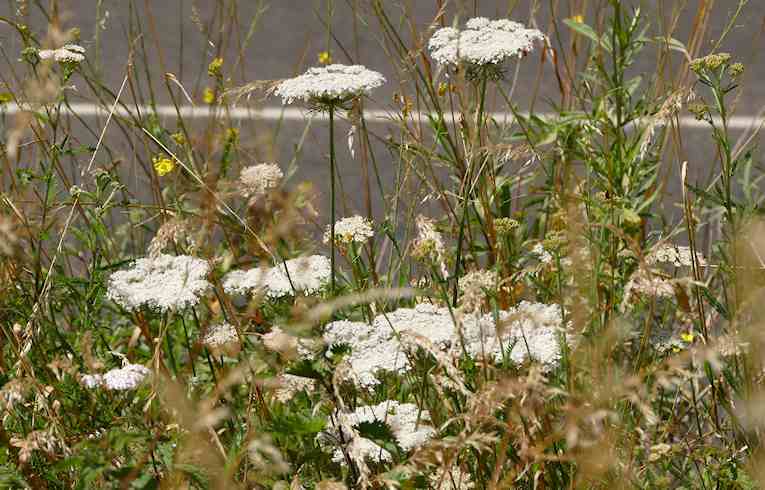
(466, 193)
(332, 192)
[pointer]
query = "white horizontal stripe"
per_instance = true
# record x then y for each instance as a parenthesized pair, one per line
(297, 114)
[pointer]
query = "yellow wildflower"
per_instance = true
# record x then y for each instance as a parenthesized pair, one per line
(215, 66)
(579, 18)
(688, 337)
(163, 165)
(325, 58)
(208, 96)
(179, 138)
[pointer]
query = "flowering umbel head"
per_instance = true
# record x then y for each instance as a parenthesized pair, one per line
(483, 46)
(330, 86)
(355, 229)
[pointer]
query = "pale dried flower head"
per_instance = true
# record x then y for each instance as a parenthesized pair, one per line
(429, 244)
(164, 282)
(279, 341)
(332, 84)
(258, 180)
(289, 385)
(172, 231)
(39, 440)
(355, 229)
(475, 286)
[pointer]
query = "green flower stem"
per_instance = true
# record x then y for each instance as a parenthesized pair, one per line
(332, 193)
(466, 194)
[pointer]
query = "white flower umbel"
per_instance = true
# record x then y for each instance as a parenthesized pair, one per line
(483, 42)
(372, 349)
(376, 348)
(406, 421)
(329, 84)
(355, 229)
(245, 282)
(92, 381)
(307, 275)
(222, 339)
(71, 53)
(165, 283)
(258, 180)
(679, 256)
(128, 377)
(532, 330)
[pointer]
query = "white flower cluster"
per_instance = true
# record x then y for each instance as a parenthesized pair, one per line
(128, 377)
(405, 420)
(164, 282)
(543, 255)
(258, 180)
(679, 256)
(529, 330)
(355, 229)
(71, 53)
(221, 335)
(482, 42)
(332, 83)
(307, 275)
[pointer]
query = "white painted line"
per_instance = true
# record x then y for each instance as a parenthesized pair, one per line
(298, 114)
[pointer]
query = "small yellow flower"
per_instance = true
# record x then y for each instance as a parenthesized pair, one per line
(208, 96)
(688, 337)
(163, 165)
(325, 58)
(443, 87)
(179, 138)
(232, 134)
(579, 18)
(215, 66)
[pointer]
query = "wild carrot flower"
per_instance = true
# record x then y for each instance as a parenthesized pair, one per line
(679, 256)
(530, 331)
(128, 377)
(70, 53)
(307, 275)
(331, 84)
(164, 282)
(483, 42)
(355, 229)
(407, 423)
(222, 339)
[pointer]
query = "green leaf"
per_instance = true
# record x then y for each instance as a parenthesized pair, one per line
(588, 32)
